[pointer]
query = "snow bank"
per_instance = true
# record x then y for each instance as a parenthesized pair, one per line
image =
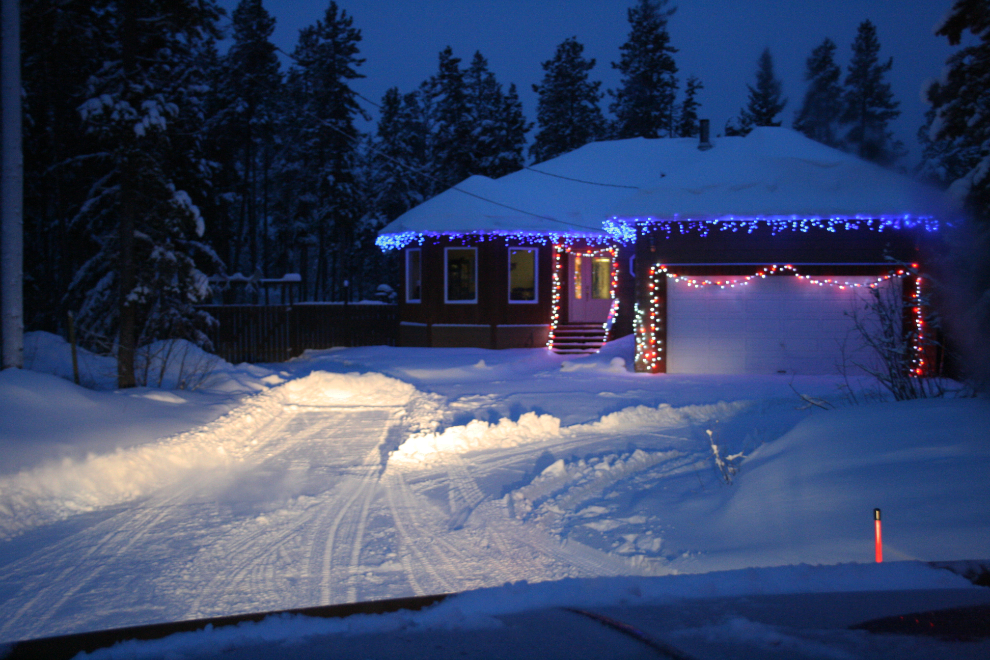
(663, 416)
(55, 491)
(532, 428)
(477, 435)
(172, 365)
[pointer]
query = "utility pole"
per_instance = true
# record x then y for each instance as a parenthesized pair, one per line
(11, 190)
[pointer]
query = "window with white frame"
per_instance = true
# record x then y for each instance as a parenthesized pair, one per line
(522, 275)
(460, 275)
(414, 275)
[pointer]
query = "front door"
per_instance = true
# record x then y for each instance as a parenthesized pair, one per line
(589, 289)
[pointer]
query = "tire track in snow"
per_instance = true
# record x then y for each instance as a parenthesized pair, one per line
(345, 523)
(403, 512)
(126, 529)
(243, 553)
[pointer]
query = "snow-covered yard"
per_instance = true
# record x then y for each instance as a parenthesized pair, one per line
(362, 474)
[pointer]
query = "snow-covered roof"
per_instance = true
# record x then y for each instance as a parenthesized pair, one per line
(773, 174)
(566, 196)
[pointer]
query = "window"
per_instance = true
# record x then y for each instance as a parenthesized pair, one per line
(461, 275)
(414, 275)
(522, 275)
(601, 278)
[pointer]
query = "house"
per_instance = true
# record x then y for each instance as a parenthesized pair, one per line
(523, 260)
(684, 241)
(756, 252)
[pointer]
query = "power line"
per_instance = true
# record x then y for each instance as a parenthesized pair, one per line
(460, 190)
(591, 183)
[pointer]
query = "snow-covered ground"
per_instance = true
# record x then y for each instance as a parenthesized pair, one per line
(372, 473)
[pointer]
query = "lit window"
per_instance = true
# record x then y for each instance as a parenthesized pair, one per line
(461, 275)
(522, 275)
(601, 277)
(414, 275)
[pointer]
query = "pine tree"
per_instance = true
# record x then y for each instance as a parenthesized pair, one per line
(145, 275)
(945, 159)
(483, 99)
(398, 156)
(63, 46)
(322, 145)
(818, 117)
(452, 149)
(474, 126)
(765, 101)
(644, 104)
(687, 122)
(956, 139)
(567, 111)
(868, 102)
(512, 129)
(960, 121)
(247, 88)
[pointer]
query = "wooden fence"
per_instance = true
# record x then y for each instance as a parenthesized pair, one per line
(275, 333)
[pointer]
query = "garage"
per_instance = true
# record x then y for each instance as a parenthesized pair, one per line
(775, 325)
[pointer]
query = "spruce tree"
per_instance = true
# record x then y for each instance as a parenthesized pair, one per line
(398, 156)
(511, 129)
(474, 126)
(246, 92)
(957, 150)
(644, 104)
(960, 108)
(818, 117)
(868, 102)
(322, 149)
(145, 275)
(63, 45)
(484, 106)
(687, 121)
(567, 111)
(452, 131)
(765, 101)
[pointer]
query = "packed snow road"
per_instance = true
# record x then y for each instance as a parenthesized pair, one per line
(289, 501)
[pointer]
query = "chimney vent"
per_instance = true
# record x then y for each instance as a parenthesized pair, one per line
(704, 143)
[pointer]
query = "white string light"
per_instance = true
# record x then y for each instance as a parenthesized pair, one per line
(650, 352)
(559, 251)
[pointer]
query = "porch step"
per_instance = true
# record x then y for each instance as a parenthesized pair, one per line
(578, 338)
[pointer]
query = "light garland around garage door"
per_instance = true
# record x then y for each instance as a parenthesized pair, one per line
(649, 349)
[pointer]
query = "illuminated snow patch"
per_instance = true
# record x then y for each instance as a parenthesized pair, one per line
(321, 388)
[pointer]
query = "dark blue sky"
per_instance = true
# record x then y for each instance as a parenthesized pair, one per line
(718, 40)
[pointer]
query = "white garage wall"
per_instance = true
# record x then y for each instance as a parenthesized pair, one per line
(780, 324)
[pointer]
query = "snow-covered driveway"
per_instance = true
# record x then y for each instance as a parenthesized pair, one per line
(288, 502)
(434, 472)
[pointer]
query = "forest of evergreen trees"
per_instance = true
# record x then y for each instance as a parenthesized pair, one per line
(153, 161)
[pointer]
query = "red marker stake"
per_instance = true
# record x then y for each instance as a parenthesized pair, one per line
(879, 541)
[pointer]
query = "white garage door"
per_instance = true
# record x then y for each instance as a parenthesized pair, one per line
(780, 324)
